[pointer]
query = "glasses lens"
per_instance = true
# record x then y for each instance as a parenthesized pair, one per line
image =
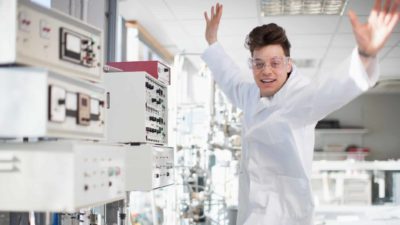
(259, 65)
(256, 64)
(276, 62)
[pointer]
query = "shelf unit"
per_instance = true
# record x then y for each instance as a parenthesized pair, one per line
(342, 136)
(360, 209)
(341, 131)
(356, 165)
(358, 215)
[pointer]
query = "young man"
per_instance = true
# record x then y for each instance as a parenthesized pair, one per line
(281, 109)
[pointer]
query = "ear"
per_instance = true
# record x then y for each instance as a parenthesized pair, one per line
(289, 66)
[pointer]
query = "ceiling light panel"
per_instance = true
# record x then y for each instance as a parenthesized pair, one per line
(301, 7)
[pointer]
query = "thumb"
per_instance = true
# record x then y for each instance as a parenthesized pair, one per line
(353, 19)
(206, 17)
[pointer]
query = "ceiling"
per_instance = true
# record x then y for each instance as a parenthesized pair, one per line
(179, 25)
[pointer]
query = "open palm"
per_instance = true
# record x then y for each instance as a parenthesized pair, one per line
(372, 36)
(212, 23)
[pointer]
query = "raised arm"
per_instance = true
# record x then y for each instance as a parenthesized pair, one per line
(372, 35)
(224, 70)
(332, 90)
(212, 23)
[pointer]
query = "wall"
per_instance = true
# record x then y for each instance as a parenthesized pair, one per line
(95, 14)
(379, 113)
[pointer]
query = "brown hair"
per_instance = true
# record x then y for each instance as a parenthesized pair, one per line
(267, 34)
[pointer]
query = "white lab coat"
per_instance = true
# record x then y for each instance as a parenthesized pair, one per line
(278, 134)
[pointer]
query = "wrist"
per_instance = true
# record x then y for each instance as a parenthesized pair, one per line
(364, 54)
(211, 41)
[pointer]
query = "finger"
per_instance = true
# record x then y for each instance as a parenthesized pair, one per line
(354, 19)
(206, 17)
(394, 21)
(374, 12)
(395, 17)
(377, 5)
(387, 6)
(219, 12)
(384, 11)
(217, 9)
(392, 12)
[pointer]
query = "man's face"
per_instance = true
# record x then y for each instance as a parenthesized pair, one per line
(270, 69)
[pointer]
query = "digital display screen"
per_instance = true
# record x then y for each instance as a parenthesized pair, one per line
(73, 43)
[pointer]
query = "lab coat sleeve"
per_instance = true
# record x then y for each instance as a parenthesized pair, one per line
(227, 75)
(332, 91)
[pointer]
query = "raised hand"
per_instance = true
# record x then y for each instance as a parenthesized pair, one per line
(372, 36)
(212, 23)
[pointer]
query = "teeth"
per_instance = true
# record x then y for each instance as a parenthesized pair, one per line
(267, 80)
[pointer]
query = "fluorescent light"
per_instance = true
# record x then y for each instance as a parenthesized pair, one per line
(302, 7)
(45, 3)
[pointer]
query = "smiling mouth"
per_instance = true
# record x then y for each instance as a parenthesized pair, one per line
(267, 81)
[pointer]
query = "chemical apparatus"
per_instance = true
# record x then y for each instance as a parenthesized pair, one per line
(62, 160)
(138, 118)
(207, 155)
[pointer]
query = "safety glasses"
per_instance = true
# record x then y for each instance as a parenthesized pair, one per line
(276, 62)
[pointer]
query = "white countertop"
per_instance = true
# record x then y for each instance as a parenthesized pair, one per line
(358, 215)
(356, 165)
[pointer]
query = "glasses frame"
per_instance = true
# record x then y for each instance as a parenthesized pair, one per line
(251, 63)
